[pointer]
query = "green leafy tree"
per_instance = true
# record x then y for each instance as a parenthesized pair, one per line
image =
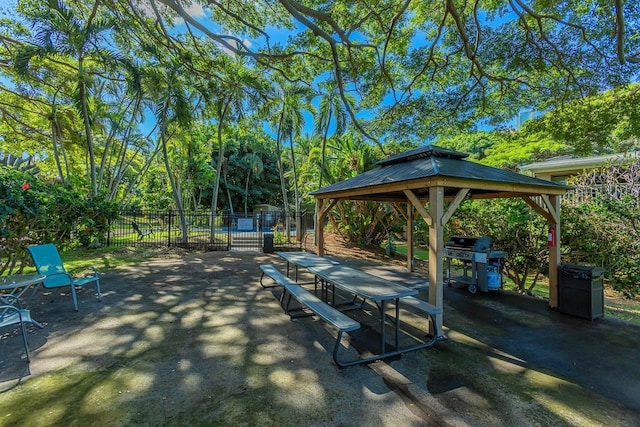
(240, 90)
(607, 122)
(33, 211)
(80, 36)
(331, 111)
(287, 119)
(255, 167)
(506, 149)
(172, 106)
(423, 69)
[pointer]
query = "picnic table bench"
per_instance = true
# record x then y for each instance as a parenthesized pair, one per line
(312, 303)
(430, 310)
(303, 259)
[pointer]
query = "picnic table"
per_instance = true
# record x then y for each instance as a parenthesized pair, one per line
(379, 291)
(303, 259)
(330, 275)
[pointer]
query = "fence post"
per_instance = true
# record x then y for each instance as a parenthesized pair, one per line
(169, 227)
(229, 225)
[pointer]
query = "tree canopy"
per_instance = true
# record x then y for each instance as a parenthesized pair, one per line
(418, 68)
(103, 92)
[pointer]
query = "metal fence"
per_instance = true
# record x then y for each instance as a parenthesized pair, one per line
(203, 231)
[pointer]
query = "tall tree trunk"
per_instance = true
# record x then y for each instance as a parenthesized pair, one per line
(174, 186)
(216, 188)
(283, 186)
(323, 157)
(55, 132)
(296, 201)
(105, 162)
(226, 186)
(246, 192)
(323, 150)
(56, 155)
(82, 89)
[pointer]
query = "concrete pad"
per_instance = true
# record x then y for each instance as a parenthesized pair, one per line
(196, 340)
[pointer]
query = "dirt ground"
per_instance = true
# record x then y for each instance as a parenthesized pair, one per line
(194, 340)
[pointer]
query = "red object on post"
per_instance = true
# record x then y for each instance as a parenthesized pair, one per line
(551, 239)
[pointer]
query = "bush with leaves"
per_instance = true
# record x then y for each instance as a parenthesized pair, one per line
(33, 211)
(364, 223)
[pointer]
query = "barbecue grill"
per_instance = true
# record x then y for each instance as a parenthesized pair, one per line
(481, 266)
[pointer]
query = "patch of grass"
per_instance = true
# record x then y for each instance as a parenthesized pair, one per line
(110, 256)
(419, 252)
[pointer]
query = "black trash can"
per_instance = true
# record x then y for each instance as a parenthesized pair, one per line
(581, 291)
(267, 245)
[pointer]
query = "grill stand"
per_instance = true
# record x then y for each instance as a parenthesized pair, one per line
(482, 268)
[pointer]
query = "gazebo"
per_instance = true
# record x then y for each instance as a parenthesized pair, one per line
(422, 180)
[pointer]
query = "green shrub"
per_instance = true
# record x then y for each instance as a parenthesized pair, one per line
(33, 211)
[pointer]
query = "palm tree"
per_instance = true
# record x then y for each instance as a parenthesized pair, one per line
(172, 104)
(353, 156)
(288, 122)
(256, 167)
(331, 108)
(61, 33)
(239, 90)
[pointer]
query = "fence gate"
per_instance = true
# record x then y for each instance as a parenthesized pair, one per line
(247, 234)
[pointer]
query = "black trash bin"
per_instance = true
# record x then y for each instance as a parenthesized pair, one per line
(267, 246)
(581, 291)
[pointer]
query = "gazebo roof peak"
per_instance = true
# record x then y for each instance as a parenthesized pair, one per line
(432, 166)
(423, 152)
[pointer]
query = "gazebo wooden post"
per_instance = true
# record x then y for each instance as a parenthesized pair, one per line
(320, 212)
(436, 251)
(554, 252)
(552, 215)
(409, 236)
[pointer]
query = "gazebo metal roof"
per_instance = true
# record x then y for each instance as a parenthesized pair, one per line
(431, 165)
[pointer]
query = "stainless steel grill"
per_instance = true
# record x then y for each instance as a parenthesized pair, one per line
(481, 266)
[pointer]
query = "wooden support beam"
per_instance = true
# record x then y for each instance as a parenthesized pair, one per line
(328, 207)
(419, 207)
(539, 209)
(320, 212)
(399, 210)
(454, 205)
(555, 214)
(554, 252)
(552, 215)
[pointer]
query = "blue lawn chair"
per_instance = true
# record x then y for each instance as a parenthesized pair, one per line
(11, 314)
(47, 261)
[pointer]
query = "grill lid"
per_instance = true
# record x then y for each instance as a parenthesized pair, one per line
(475, 244)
